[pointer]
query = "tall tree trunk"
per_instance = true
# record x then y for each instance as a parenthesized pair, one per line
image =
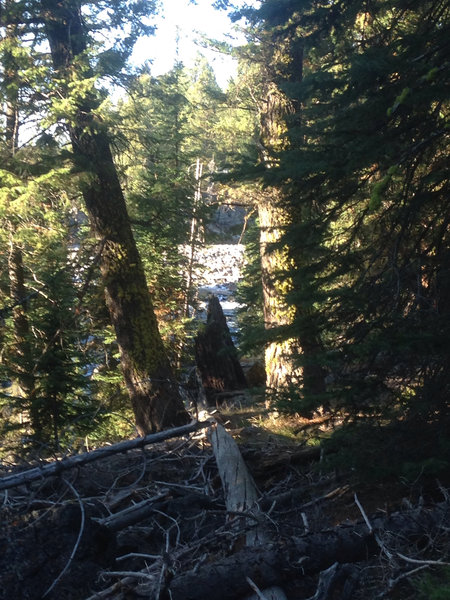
(153, 391)
(277, 211)
(280, 355)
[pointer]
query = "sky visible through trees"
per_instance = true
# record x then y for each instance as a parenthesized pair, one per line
(180, 28)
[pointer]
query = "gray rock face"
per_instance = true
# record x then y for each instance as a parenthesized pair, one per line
(227, 222)
(218, 272)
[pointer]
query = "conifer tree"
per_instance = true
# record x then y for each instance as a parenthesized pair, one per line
(367, 159)
(154, 168)
(11, 88)
(153, 392)
(70, 88)
(163, 156)
(292, 354)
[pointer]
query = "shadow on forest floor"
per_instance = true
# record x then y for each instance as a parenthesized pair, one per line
(153, 521)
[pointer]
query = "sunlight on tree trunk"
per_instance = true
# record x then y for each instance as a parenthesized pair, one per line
(280, 354)
(153, 391)
(277, 212)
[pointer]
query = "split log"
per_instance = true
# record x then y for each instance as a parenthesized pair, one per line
(280, 561)
(241, 494)
(239, 488)
(58, 466)
(216, 355)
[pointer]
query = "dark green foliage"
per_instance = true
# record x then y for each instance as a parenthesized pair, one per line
(364, 166)
(375, 451)
(159, 148)
(251, 335)
(61, 399)
(434, 586)
(59, 407)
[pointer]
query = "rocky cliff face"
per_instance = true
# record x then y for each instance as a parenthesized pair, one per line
(226, 224)
(219, 270)
(219, 262)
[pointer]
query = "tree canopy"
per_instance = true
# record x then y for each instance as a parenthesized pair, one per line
(333, 135)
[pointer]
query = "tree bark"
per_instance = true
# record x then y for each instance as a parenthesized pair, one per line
(216, 356)
(153, 391)
(290, 362)
(280, 356)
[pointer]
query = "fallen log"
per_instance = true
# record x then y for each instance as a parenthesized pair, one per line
(285, 559)
(162, 502)
(239, 488)
(58, 466)
(133, 514)
(241, 494)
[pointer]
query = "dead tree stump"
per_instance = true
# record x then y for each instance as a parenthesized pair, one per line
(216, 355)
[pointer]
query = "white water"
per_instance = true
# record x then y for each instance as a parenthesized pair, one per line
(218, 272)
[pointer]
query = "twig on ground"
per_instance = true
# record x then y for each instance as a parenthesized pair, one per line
(77, 543)
(138, 555)
(175, 523)
(305, 522)
(428, 563)
(256, 589)
(337, 492)
(133, 574)
(134, 483)
(378, 540)
(394, 582)
(160, 580)
(190, 488)
(363, 512)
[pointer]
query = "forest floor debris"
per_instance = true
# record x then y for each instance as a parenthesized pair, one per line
(153, 523)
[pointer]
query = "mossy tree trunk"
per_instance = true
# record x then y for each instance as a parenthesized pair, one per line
(153, 391)
(291, 361)
(280, 354)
